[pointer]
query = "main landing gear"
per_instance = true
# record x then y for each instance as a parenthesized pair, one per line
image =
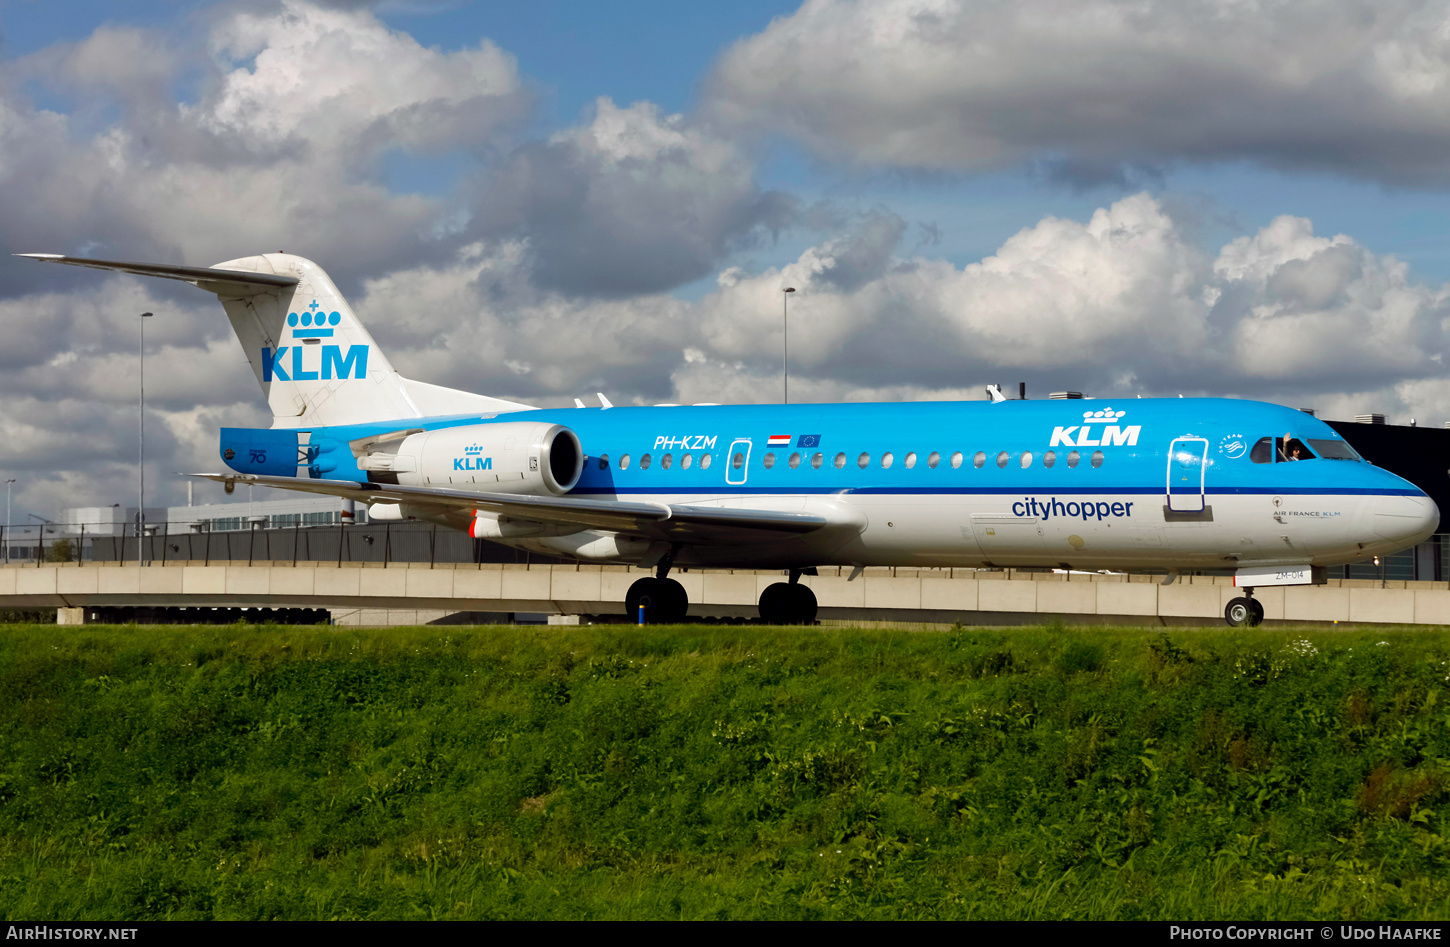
(1244, 610)
(664, 602)
(788, 603)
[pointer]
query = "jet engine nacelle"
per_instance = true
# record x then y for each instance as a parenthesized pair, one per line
(513, 457)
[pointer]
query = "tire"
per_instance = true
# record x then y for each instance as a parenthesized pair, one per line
(1239, 611)
(642, 594)
(776, 604)
(673, 604)
(664, 601)
(805, 605)
(1257, 618)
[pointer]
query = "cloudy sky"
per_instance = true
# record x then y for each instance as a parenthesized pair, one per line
(539, 201)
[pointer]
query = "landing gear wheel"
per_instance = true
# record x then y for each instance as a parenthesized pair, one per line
(805, 605)
(1240, 611)
(664, 601)
(785, 604)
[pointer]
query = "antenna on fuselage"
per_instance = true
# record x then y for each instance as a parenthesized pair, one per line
(995, 393)
(603, 401)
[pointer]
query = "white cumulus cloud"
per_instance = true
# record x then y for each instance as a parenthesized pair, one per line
(1089, 85)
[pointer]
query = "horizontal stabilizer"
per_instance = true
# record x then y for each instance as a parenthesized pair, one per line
(221, 282)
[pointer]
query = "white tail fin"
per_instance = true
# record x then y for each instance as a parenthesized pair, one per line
(316, 363)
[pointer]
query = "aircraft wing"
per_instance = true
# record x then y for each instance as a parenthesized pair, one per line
(221, 282)
(677, 523)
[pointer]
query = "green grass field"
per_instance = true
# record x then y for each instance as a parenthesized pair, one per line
(722, 772)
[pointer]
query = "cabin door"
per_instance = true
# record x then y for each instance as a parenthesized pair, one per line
(737, 461)
(1187, 470)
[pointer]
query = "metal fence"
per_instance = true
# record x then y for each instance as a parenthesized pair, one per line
(376, 542)
(426, 542)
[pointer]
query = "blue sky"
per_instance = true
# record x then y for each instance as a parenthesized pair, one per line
(573, 52)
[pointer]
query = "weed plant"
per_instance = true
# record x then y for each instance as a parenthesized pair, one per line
(722, 772)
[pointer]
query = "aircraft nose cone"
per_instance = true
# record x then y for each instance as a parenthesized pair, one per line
(1406, 521)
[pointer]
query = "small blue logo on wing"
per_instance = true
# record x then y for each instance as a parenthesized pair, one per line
(473, 459)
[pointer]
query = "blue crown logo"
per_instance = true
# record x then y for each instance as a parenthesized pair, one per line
(310, 317)
(473, 450)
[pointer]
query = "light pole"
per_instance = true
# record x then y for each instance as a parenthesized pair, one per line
(141, 510)
(7, 519)
(785, 351)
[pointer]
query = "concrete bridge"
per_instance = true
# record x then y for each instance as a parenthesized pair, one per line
(417, 593)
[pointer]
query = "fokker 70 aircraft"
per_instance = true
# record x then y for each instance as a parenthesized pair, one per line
(1178, 485)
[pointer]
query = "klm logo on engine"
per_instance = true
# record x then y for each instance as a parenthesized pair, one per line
(1112, 435)
(473, 459)
(300, 366)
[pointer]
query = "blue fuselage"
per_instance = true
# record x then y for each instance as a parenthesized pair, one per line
(1088, 484)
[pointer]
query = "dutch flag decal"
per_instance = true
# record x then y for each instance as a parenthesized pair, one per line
(779, 440)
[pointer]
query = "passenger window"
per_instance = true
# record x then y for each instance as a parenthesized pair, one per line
(685, 461)
(667, 461)
(816, 461)
(911, 460)
(1049, 458)
(1263, 452)
(1097, 458)
(705, 461)
(603, 461)
(795, 461)
(1072, 458)
(956, 460)
(644, 462)
(979, 460)
(737, 461)
(769, 461)
(1002, 459)
(623, 461)
(864, 460)
(1026, 459)
(840, 461)
(933, 459)
(887, 460)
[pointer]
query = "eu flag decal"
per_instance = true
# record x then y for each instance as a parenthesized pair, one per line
(809, 440)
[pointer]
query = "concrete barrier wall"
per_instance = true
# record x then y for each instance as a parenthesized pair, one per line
(900, 594)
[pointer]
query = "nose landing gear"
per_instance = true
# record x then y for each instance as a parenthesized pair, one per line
(1244, 610)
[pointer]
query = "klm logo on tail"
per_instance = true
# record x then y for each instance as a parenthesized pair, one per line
(352, 365)
(312, 323)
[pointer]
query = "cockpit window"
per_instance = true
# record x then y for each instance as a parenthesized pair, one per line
(1292, 449)
(1334, 450)
(1263, 452)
